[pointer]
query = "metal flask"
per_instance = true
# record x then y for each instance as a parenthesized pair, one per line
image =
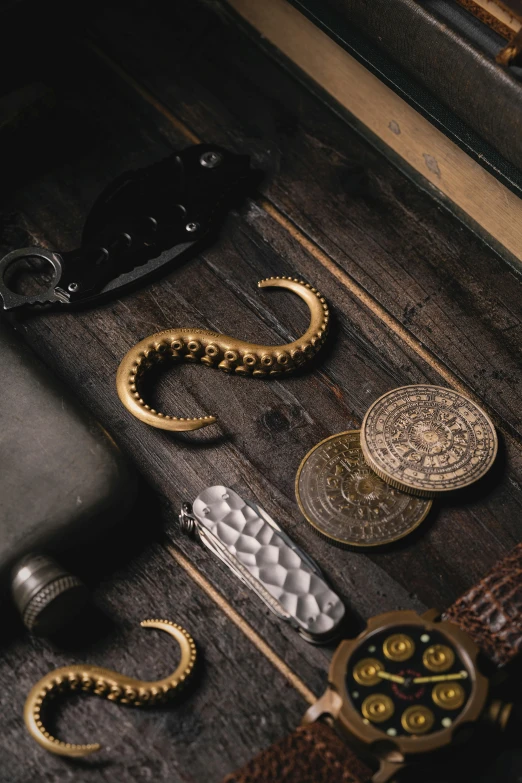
(265, 559)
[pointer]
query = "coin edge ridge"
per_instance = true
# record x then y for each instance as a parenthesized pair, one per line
(409, 490)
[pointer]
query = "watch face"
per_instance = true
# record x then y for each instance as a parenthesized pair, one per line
(408, 681)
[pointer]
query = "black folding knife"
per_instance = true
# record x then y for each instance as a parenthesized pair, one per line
(142, 221)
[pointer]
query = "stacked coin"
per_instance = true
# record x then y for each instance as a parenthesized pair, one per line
(371, 487)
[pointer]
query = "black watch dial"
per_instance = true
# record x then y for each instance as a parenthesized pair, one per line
(408, 681)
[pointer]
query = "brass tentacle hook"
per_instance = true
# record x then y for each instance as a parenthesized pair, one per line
(109, 685)
(219, 350)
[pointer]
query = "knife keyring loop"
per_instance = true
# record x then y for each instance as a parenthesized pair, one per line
(11, 298)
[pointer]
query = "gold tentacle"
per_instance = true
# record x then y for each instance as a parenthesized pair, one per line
(108, 684)
(218, 350)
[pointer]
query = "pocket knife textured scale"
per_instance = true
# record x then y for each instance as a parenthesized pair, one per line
(139, 223)
(253, 546)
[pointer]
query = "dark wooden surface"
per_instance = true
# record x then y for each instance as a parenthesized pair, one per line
(416, 298)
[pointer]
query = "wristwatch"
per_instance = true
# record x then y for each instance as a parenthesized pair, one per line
(407, 690)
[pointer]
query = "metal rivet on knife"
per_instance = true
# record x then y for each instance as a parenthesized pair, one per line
(211, 159)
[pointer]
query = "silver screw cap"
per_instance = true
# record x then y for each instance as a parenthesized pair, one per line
(46, 595)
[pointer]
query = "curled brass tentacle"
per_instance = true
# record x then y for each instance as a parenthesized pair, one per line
(108, 684)
(219, 350)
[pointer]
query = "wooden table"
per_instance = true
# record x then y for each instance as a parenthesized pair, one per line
(416, 298)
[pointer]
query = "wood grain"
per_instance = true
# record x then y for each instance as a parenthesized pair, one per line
(438, 160)
(379, 230)
(418, 264)
(186, 740)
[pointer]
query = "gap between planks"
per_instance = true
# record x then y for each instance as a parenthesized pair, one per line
(502, 15)
(242, 624)
(363, 296)
(313, 249)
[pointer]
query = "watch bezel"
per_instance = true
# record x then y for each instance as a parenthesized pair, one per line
(364, 735)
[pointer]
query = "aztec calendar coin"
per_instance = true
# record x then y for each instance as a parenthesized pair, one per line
(346, 502)
(427, 439)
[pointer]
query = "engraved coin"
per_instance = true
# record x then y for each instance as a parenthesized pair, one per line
(426, 440)
(345, 501)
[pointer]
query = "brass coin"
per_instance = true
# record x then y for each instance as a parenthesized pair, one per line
(417, 719)
(449, 695)
(345, 501)
(377, 708)
(438, 658)
(426, 440)
(365, 672)
(398, 647)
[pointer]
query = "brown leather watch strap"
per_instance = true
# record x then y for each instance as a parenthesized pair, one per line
(311, 754)
(491, 612)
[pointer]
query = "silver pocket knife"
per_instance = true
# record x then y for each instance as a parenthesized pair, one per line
(266, 560)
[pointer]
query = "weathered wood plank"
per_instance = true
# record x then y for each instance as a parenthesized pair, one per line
(205, 732)
(453, 293)
(262, 427)
(365, 362)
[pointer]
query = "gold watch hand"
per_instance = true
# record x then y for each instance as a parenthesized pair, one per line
(392, 677)
(441, 678)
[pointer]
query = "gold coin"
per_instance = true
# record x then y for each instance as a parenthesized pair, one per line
(346, 502)
(377, 708)
(398, 647)
(438, 658)
(365, 672)
(449, 695)
(417, 719)
(426, 440)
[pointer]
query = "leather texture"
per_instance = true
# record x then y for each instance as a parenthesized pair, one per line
(491, 612)
(311, 754)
